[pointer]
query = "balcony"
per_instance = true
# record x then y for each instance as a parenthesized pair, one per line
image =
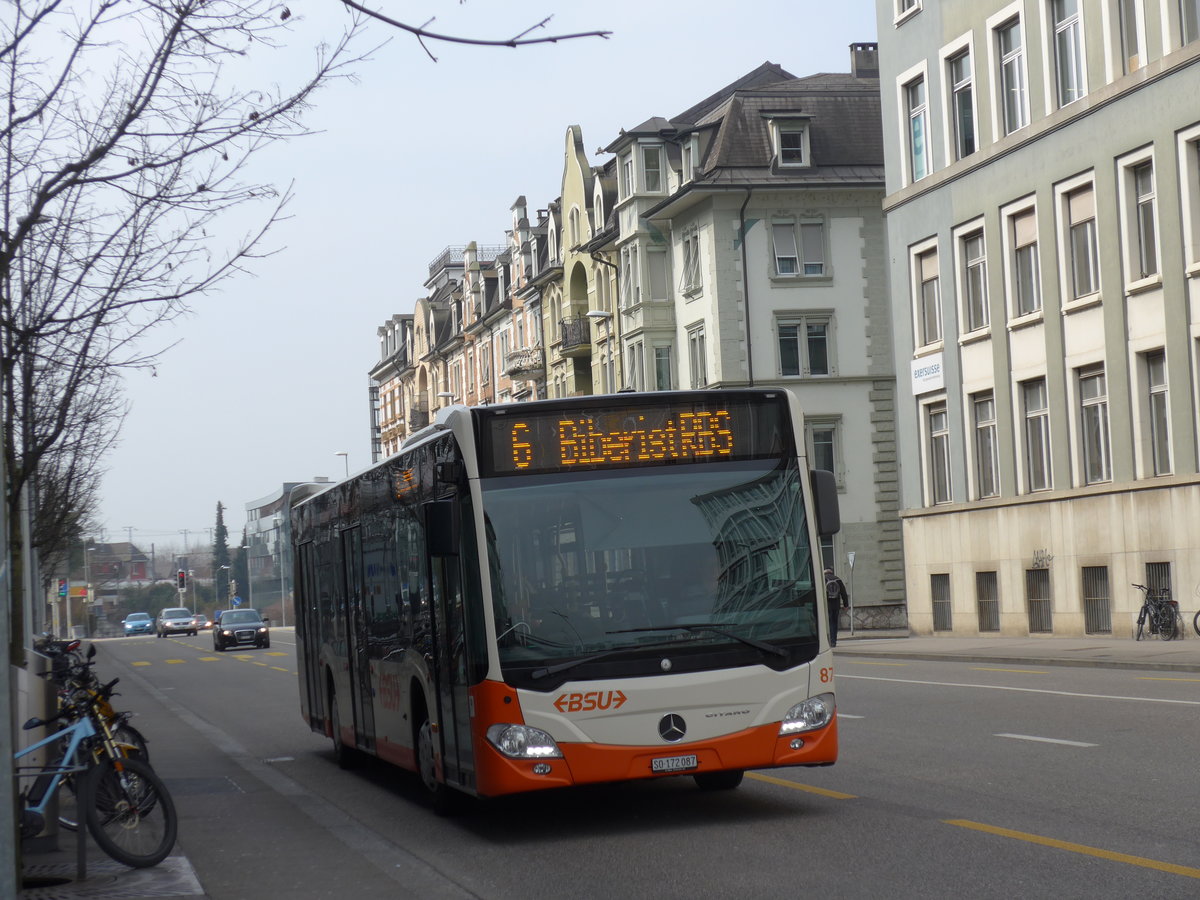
(528, 362)
(453, 256)
(576, 336)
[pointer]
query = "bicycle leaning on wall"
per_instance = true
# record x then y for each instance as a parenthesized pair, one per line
(1159, 614)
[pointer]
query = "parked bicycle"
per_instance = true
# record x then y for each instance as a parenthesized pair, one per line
(1159, 614)
(124, 804)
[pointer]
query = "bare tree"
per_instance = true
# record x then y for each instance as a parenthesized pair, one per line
(124, 143)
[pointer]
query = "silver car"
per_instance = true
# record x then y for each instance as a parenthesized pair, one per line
(174, 621)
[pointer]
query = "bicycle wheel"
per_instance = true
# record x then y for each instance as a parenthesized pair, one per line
(129, 812)
(1142, 616)
(1167, 626)
(1196, 624)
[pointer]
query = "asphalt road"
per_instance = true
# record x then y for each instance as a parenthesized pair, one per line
(955, 780)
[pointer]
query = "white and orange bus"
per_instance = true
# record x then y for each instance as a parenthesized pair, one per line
(574, 591)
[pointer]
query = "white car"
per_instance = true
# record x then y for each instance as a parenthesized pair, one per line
(174, 621)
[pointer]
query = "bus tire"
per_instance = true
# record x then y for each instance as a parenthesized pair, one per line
(343, 754)
(444, 799)
(719, 781)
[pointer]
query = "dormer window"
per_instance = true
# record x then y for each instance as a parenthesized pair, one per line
(652, 181)
(598, 209)
(791, 142)
(691, 157)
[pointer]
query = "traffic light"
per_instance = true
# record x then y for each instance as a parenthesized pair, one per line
(182, 580)
(62, 587)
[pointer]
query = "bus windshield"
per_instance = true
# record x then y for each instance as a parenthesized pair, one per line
(690, 568)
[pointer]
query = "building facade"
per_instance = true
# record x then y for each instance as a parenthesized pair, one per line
(1043, 216)
(751, 253)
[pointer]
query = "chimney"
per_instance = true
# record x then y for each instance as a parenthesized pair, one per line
(864, 60)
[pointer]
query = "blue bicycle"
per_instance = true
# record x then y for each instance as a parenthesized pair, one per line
(124, 804)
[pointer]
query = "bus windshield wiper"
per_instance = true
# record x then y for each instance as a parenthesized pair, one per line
(715, 629)
(583, 660)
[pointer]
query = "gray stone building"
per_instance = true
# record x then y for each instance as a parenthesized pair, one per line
(1043, 217)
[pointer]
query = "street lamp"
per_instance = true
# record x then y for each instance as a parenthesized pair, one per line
(345, 455)
(600, 315)
(446, 395)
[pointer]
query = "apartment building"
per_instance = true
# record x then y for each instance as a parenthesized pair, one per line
(751, 252)
(1043, 218)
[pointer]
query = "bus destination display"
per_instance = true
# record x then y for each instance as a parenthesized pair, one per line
(566, 439)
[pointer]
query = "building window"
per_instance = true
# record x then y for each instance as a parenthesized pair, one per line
(987, 459)
(664, 379)
(825, 445)
(808, 259)
(928, 305)
(938, 429)
(1158, 415)
(963, 102)
(1085, 264)
(1068, 50)
(573, 226)
(792, 144)
(1093, 426)
(697, 358)
(987, 600)
(1189, 16)
(1026, 276)
(625, 176)
(904, 6)
(1037, 434)
(691, 261)
(1131, 35)
(635, 369)
(974, 279)
(1141, 178)
(652, 169)
(691, 158)
(804, 345)
(1014, 104)
(918, 129)
(631, 289)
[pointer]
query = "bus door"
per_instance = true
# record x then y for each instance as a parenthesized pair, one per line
(356, 629)
(450, 664)
(308, 635)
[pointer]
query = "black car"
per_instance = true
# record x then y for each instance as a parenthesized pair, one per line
(240, 628)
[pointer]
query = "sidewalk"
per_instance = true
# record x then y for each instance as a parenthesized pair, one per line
(175, 877)
(1179, 655)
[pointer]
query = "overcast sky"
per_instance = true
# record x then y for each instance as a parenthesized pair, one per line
(269, 378)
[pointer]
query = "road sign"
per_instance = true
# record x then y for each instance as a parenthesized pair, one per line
(237, 601)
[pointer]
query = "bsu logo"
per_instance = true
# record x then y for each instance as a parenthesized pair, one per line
(589, 701)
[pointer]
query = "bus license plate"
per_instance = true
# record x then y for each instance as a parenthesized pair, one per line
(673, 763)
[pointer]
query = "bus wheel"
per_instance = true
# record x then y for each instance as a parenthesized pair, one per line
(343, 755)
(719, 781)
(442, 798)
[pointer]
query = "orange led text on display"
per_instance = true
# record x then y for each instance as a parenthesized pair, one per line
(693, 435)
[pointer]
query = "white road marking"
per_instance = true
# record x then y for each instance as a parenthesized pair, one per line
(1022, 690)
(843, 715)
(1045, 740)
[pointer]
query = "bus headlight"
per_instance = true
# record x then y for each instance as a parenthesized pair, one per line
(813, 713)
(523, 742)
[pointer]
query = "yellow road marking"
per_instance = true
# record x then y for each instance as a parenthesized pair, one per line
(140, 664)
(275, 653)
(264, 665)
(208, 658)
(824, 792)
(1021, 671)
(173, 662)
(1149, 678)
(1142, 861)
(278, 669)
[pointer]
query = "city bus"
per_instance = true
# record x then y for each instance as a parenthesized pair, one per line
(574, 591)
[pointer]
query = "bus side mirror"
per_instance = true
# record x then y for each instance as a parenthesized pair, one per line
(825, 499)
(443, 528)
